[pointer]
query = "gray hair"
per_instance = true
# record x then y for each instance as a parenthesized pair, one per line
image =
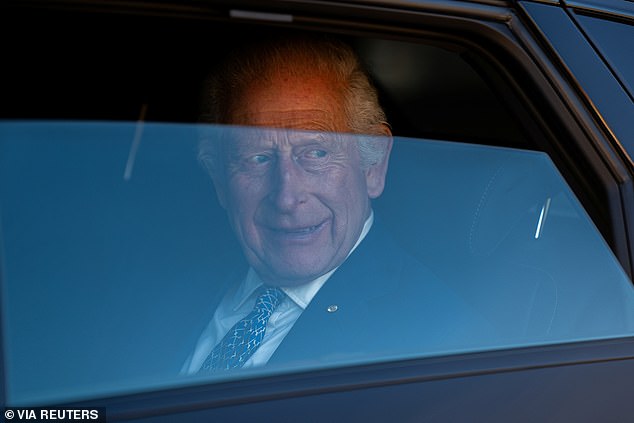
(261, 62)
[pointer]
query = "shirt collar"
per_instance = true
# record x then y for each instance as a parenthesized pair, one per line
(301, 294)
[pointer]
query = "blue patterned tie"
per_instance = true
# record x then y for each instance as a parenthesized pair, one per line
(245, 336)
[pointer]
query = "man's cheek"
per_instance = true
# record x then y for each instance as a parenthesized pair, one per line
(242, 197)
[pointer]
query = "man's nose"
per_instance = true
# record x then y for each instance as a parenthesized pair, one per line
(289, 185)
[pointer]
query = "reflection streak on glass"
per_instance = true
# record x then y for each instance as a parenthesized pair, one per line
(542, 218)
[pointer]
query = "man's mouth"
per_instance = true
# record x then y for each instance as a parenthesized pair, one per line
(305, 230)
(297, 233)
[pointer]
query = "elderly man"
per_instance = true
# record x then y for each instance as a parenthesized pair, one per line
(324, 281)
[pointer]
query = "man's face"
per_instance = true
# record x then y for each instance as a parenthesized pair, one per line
(297, 200)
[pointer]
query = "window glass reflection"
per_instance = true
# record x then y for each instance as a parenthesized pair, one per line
(123, 275)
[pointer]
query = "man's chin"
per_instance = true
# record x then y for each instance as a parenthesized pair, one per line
(294, 275)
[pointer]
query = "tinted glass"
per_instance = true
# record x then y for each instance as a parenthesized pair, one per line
(611, 39)
(116, 253)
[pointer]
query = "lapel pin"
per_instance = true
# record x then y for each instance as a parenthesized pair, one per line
(332, 308)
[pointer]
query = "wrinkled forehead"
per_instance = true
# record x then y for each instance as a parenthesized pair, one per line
(240, 138)
(307, 119)
(309, 102)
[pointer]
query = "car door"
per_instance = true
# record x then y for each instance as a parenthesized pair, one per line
(510, 180)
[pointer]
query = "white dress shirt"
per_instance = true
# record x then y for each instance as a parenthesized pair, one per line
(239, 302)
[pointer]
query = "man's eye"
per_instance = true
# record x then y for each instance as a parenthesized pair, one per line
(258, 159)
(316, 154)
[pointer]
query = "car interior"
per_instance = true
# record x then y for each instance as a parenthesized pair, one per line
(428, 90)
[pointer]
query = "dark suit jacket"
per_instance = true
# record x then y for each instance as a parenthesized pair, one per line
(387, 305)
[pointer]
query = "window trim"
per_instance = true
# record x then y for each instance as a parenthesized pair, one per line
(214, 397)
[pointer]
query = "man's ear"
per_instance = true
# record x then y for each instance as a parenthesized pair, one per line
(376, 173)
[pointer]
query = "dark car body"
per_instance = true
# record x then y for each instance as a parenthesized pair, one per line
(564, 74)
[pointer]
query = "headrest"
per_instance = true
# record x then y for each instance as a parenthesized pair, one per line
(445, 199)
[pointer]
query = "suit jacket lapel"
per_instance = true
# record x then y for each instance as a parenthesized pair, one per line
(339, 317)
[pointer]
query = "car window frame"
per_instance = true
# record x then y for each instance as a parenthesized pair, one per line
(603, 103)
(506, 31)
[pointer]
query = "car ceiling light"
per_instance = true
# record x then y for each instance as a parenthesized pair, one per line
(260, 16)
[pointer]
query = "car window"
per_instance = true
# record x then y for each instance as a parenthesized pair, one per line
(122, 250)
(116, 251)
(605, 34)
